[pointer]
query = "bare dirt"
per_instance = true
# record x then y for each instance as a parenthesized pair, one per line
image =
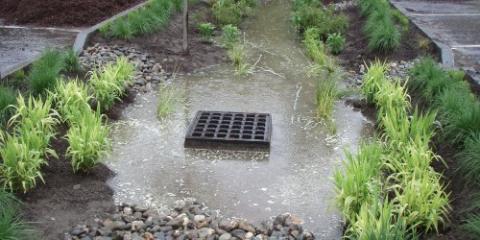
(77, 13)
(356, 51)
(166, 46)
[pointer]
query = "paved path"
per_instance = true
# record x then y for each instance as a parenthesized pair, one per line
(454, 25)
(19, 45)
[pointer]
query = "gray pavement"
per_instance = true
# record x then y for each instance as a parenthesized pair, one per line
(19, 45)
(453, 25)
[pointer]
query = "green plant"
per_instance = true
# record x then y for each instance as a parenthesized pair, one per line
(45, 71)
(335, 42)
(327, 93)
(380, 28)
(7, 99)
(378, 221)
(401, 19)
(72, 63)
(153, 16)
(88, 141)
(239, 59)
(230, 35)
(109, 84)
(167, 97)
(325, 20)
(316, 50)
(373, 79)
(12, 227)
(71, 99)
(472, 225)
(206, 30)
(469, 159)
(360, 182)
(232, 11)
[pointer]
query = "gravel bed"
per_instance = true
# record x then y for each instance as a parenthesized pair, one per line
(188, 219)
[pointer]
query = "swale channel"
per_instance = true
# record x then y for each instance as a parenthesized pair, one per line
(154, 169)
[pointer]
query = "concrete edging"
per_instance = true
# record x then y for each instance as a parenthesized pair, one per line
(80, 40)
(446, 53)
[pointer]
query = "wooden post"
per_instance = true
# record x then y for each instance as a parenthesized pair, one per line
(185, 26)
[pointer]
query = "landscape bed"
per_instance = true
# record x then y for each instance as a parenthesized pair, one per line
(57, 13)
(418, 122)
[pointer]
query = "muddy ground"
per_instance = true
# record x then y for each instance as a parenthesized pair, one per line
(61, 13)
(166, 46)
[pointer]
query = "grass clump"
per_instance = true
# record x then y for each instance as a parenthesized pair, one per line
(109, 83)
(12, 227)
(45, 71)
(413, 199)
(71, 99)
(360, 182)
(230, 35)
(72, 63)
(167, 97)
(206, 30)
(312, 14)
(336, 43)
(153, 16)
(382, 33)
(88, 141)
(469, 159)
(7, 99)
(24, 151)
(238, 57)
(232, 11)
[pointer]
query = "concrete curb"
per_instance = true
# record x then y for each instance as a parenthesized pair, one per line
(80, 41)
(446, 53)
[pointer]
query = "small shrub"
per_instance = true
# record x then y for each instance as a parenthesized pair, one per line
(7, 99)
(335, 42)
(230, 35)
(206, 30)
(401, 19)
(88, 141)
(45, 71)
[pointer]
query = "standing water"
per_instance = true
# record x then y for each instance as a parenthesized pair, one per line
(154, 169)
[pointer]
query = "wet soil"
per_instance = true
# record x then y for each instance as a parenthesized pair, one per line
(67, 198)
(61, 13)
(166, 46)
(356, 51)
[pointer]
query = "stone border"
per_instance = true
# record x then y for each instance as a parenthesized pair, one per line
(446, 53)
(80, 41)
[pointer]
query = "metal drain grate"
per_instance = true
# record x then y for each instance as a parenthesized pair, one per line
(231, 128)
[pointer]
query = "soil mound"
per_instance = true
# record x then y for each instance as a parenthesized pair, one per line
(78, 13)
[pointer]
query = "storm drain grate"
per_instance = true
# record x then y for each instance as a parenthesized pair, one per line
(231, 128)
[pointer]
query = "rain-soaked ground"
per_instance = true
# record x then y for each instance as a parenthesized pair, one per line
(153, 168)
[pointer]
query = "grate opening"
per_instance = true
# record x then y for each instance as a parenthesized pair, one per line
(237, 128)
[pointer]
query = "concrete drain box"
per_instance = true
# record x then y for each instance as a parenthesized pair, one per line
(229, 129)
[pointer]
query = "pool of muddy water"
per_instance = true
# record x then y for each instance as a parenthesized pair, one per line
(295, 175)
